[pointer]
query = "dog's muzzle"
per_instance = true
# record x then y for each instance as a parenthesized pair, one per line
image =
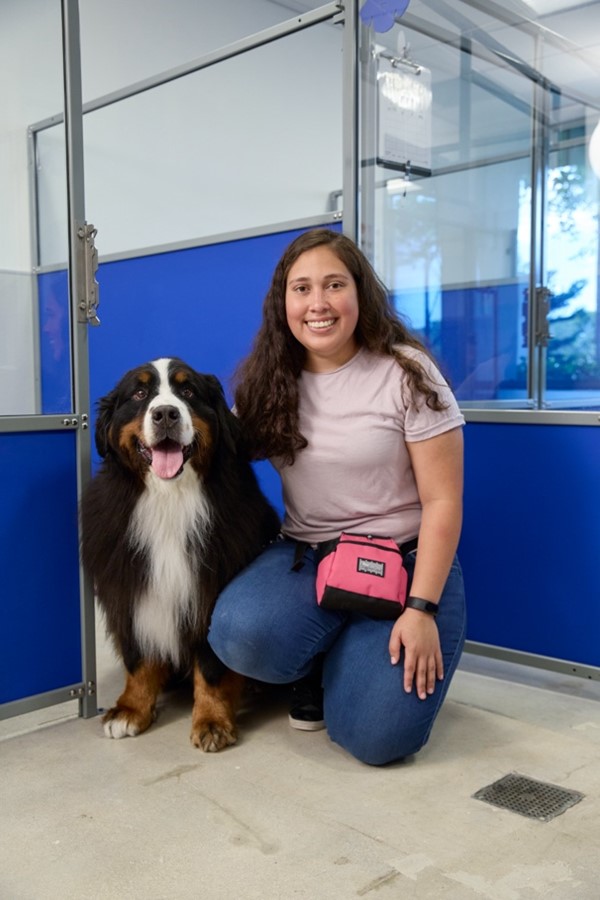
(167, 453)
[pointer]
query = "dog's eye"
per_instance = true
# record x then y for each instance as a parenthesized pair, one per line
(187, 392)
(140, 394)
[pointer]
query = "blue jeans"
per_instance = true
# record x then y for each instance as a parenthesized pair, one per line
(267, 625)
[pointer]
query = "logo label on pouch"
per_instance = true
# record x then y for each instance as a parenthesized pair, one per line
(371, 567)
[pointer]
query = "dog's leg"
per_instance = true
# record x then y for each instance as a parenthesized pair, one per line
(135, 709)
(217, 693)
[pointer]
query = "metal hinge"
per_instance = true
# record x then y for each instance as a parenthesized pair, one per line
(88, 305)
(88, 690)
(75, 421)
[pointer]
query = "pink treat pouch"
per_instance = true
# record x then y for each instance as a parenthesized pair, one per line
(364, 574)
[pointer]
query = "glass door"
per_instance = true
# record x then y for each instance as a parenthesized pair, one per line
(479, 208)
(47, 651)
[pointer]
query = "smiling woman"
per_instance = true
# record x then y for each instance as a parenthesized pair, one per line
(366, 436)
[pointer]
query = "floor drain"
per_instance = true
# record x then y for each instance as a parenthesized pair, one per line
(534, 799)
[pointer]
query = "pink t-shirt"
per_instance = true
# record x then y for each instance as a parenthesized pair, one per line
(355, 474)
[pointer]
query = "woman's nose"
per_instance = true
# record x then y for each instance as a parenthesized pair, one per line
(318, 299)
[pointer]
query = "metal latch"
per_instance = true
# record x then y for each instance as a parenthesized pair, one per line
(543, 296)
(89, 305)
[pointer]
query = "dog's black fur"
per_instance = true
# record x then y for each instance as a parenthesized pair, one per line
(173, 514)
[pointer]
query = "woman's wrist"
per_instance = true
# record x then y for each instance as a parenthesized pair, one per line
(426, 606)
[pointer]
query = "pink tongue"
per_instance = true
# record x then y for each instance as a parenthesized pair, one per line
(167, 459)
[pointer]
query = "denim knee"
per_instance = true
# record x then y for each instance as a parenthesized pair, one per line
(266, 623)
(232, 640)
(378, 748)
(375, 735)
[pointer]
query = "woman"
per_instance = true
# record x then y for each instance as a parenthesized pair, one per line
(367, 438)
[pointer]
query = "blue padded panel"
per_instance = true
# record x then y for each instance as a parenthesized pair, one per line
(40, 640)
(531, 538)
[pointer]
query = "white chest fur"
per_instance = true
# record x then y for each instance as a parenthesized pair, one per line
(167, 516)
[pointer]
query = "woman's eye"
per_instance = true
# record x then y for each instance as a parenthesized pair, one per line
(140, 394)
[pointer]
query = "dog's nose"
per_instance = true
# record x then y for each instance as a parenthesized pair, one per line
(165, 415)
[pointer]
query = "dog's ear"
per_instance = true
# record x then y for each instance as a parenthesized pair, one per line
(106, 409)
(215, 387)
(229, 427)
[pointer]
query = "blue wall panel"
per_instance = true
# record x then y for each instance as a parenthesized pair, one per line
(55, 342)
(531, 538)
(40, 641)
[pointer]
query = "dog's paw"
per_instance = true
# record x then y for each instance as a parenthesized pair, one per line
(212, 736)
(119, 722)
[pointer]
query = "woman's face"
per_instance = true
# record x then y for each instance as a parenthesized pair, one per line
(321, 305)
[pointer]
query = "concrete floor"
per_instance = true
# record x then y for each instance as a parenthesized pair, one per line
(286, 814)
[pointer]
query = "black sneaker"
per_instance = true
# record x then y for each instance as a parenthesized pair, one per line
(306, 704)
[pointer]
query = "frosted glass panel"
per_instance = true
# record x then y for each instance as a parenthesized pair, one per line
(249, 142)
(32, 76)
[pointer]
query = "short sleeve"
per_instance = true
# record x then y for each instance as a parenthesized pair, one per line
(422, 422)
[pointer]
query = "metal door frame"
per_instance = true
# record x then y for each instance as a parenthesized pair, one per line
(80, 289)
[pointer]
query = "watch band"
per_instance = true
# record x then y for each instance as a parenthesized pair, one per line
(423, 605)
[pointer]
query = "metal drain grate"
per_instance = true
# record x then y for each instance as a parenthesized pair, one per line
(534, 799)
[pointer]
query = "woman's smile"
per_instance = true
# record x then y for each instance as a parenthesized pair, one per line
(320, 324)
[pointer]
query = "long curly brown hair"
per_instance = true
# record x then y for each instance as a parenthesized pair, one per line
(266, 381)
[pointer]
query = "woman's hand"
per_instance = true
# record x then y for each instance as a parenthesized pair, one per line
(416, 632)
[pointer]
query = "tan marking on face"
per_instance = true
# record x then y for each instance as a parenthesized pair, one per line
(129, 436)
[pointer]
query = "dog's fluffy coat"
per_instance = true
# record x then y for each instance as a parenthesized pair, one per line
(173, 514)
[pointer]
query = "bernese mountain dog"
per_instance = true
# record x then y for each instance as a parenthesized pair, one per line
(172, 515)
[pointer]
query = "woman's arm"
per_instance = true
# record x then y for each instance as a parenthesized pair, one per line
(438, 467)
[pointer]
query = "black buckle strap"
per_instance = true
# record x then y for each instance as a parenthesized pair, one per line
(325, 546)
(299, 551)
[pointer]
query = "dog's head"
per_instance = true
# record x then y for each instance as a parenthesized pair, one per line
(162, 415)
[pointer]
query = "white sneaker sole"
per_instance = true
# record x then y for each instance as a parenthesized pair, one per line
(301, 725)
